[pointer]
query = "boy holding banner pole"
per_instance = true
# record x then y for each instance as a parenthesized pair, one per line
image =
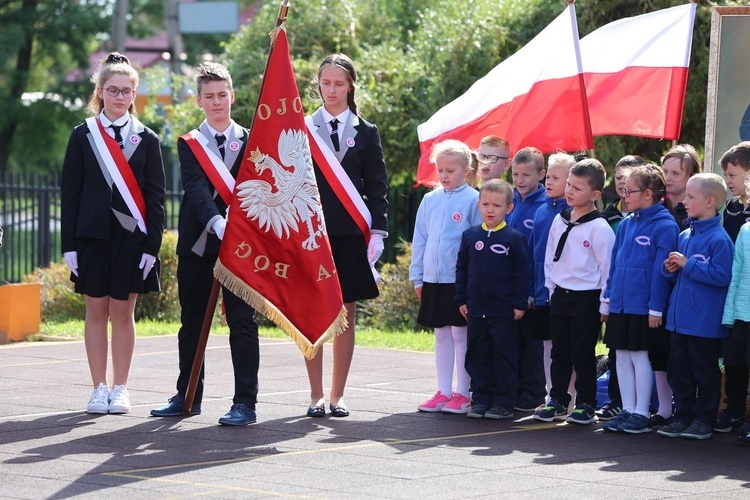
(210, 158)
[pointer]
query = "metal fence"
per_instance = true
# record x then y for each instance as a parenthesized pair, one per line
(30, 218)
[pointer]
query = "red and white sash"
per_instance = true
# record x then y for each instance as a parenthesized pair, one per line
(211, 163)
(340, 182)
(119, 169)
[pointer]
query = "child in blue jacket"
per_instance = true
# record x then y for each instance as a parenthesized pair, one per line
(638, 293)
(558, 165)
(527, 169)
(444, 214)
(701, 270)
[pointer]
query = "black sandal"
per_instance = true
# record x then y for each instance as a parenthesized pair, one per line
(316, 411)
(339, 411)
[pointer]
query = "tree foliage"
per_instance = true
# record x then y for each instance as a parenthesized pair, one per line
(415, 56)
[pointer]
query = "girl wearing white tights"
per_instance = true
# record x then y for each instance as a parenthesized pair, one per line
(638, 293)
(444, 214)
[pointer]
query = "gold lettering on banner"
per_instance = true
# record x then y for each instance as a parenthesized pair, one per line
(261, 263)
(281, 269)
(297, 105)
(282, 110)
(246, 250)
(323, 273)
(264, 111)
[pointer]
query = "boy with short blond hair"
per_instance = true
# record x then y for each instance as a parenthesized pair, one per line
(558, 166)
(577, 260)
(701, 269)
(492, 282)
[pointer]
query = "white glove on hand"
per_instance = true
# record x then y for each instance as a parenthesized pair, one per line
(375, 248)
(71, 259)
(147, 262)
(219, 227)
(375, 274)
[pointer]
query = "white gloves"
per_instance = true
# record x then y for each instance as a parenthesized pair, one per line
(219, 227)
(375, 248)
(147, 262)
(71, 259)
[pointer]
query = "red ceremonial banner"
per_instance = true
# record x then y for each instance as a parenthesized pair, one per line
(275, 254)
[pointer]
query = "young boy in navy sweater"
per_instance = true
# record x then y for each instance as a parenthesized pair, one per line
(527, 169)
(701, 269)
(577, 261)
(492, 285)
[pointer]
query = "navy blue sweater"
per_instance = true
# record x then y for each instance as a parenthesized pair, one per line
(492, 273)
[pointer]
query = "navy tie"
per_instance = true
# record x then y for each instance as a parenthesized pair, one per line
(220, 140)
(118, 136)
(335, 133)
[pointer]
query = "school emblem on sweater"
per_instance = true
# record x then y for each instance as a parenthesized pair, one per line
(701, 258)
(528, 223)
(479, 245)
(643, 240)
(586, 243)
(292, 198)
(500, 249)
(457, 217)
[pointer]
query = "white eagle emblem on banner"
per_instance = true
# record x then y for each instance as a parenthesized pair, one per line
(292, 198)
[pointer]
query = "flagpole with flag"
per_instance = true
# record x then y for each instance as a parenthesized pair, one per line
(213, 298)
(536, 97)
(636, 72)
(275, 254)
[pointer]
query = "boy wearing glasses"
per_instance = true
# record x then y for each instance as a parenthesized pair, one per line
(576, 265)
(527, 170)
(493, 155)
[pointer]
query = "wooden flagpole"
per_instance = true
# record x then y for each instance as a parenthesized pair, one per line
(213, 298)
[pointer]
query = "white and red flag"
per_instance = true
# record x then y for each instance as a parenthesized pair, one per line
(534, 98)
(275, 254)
(636, 73)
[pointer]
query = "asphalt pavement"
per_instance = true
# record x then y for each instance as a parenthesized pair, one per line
(50, 448)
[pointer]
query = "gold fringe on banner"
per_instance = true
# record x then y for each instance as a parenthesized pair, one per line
(241, 289)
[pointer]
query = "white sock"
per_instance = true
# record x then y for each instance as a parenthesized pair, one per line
(444, 359)
(644, 379)
(459, 343)
(626, 380)
(547, 365)
(664, 391)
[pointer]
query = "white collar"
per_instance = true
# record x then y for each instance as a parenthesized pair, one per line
(225, 133)
(342, 117)
(106, 122)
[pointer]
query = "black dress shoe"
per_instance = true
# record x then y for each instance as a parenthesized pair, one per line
(316, 411)
(339, 411)
(174, 408)
(239, 414)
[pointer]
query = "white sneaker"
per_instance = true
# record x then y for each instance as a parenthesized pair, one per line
(99, 400)
(119, 400)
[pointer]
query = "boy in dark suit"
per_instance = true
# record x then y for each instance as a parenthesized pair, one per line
(206, 155)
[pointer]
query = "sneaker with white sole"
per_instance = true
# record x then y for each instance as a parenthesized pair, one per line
(435, 403)
(583, 414)
(99, 402)
(119, 400)
(458, 404)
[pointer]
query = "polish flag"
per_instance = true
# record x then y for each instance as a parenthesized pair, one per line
(536, 97)
(636, 73)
